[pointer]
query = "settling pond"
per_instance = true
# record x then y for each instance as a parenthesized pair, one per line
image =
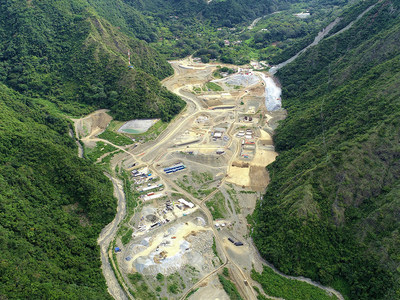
(137, 126)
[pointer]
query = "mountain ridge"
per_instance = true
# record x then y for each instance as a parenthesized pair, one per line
(68, 60)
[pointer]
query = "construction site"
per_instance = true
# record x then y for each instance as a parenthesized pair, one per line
(211, 168)
(194, 185)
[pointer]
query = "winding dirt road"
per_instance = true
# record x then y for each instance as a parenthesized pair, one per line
(107, 235)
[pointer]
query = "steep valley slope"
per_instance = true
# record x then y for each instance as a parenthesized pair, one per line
(68, 54)
(57, 58)
(331, 211)
(52, 207)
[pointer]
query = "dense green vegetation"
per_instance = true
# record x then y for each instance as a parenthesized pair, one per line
(142, 290)
(175, 284)
(70, 55)
(187, 27)
(132, 201)
(160, 277)
(58, 56)
(115, 138)
(52, 207)
(217, 207)
(213, 87)
(214, 249)
(331, 209)
(229, 288)
(125, 239)
(277, 286)
(219, 13)
(191, 293)
(98, 151)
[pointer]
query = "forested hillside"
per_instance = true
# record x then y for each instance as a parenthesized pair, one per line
(331, 211)
(66, 52)
(57, 58)
(52, 207)
(219, 13)
(220, 29)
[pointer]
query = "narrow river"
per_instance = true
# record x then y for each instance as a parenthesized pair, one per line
(107, 235)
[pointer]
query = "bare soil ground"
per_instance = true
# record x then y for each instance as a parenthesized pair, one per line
(264, 158)
(211, 290)
(239, 176)
(92, 125)
(259, 178)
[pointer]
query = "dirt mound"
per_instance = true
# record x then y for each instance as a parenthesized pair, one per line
(193, 233)
(257, 91)
(240, 164)
(266, 142)
(100, 120)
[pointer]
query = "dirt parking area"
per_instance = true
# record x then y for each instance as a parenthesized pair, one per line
(239, 176)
